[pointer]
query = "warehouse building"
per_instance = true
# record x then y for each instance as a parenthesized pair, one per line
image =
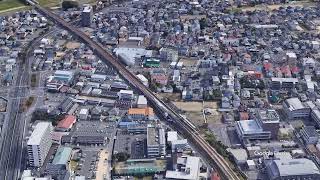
(292, 169)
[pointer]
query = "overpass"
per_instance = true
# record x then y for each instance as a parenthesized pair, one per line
(181, 124)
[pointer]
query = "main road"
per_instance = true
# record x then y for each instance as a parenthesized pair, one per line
(177, 121)
(11, 147)
(12, 151)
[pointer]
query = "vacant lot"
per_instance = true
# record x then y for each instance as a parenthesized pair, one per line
(189, 106)
(73, 45)
(188, 62)
(170, 96)
(277, 6)
(196, 118)
(211, 104)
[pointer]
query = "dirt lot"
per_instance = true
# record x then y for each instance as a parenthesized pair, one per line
(196, 118)
(73, 45)
(170, 96)
(194, 112)
(188, 62)
(277, 6)
(214, 118)
(211, 104)
(189, 106)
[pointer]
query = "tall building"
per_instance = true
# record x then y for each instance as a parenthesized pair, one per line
(156, 142)
(295, 109)
(251, 130)
(270, 121)
(86, 16)
(309, 134)
(39, 143)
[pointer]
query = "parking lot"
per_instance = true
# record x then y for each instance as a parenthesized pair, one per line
(128, 142)
(88, 163)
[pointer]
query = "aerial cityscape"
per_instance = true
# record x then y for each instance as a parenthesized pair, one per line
(159, 89)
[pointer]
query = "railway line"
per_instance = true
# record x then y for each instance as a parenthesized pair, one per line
(180, 123)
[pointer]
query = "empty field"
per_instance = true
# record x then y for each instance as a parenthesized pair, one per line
(13, 5)
(306, 3)
(211, 104)
(189, 106)
(9, 4)
(188, 62)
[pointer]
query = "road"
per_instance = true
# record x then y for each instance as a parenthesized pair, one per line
(13, 154)
(11, 149)
(164, 111)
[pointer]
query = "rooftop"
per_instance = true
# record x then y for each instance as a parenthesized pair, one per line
(144, 111)
(38, 132)
(172, 136)
(87, 9)
(62, 156)
(293, 80)
(292, 167)
(238, 154)
(249, 126)
(191, 170)
(268, 116)
(67, 122)
(151, 136)
(142, 100)
(294, 104)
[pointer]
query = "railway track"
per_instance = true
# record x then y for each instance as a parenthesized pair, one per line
(181, 124)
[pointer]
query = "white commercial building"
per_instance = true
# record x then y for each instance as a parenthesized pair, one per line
(39, 143)
(295, 109)
(83, 114)
(172, 136)
(129, 55)
(188, 167)
(142, 102)
(143, 79)
(251, 130)
(98, 77)
(292, 169)
(176, 143)
(125, 94)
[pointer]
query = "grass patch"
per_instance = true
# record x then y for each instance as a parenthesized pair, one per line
(33, 80)
(73, 165)
(29, 101)
(26, 104)
(40, 114)
(49, 2)
(9, 4)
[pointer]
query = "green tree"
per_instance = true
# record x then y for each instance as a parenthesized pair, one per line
(120, 157)
(67, 4)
